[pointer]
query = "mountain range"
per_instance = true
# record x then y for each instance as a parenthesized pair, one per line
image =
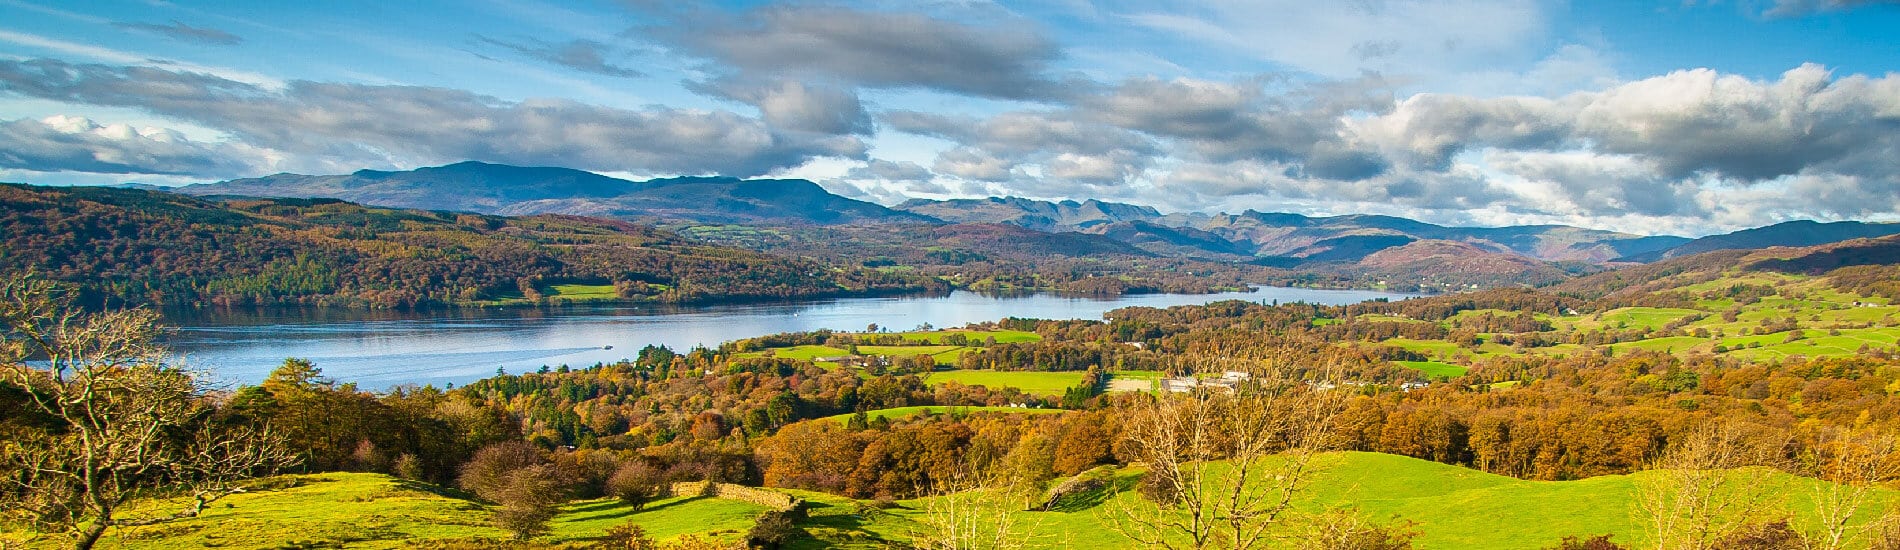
(1372, 242)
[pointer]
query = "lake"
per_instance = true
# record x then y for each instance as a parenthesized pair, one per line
(380, 349)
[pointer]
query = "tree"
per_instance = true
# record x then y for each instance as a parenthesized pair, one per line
(1852, 464)
(529, 498)
(634, 483)
(1217, 481)
(1707, 486)
(119, 421)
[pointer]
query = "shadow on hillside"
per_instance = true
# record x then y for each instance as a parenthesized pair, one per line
(437, 490)
(604, 510)
(674, 503)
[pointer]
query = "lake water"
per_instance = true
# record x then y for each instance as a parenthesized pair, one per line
(379, 349)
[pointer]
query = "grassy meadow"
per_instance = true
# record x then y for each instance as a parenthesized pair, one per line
(1447, 506)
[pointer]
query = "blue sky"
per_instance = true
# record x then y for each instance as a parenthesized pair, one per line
(1655, 117)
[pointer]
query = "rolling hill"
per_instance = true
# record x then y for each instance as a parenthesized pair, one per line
(1794, 233)
(1447, 506)
(127, 246)
(514, 190)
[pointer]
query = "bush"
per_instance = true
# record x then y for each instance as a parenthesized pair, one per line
(488, 472)
(1599, 542)
(408, 467)
(626, 536)
(773, 530)
(1765, 536)
(1156, 489)
(635, 483)
(529, 498)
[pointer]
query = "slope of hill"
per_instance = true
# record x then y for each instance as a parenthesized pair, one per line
(1281, 234)
(1448, 507)
(141, 247)
(1033, 214)
(1794, 233)
(1456, 264)
(1694, 268)
(1171, 241)
(514, 190)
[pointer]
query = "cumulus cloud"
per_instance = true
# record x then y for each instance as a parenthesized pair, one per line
(78, 144)
(179, 31)
(795, 105)
(1686, 122)
(1231, 121)
(405, 125)
(579, 54)
(872, 49)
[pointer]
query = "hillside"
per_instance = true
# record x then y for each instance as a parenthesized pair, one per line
(1033, 214)
(1457, 264)
(1794, 233)
(126, 246)
(1448, 506)
(514, 190)
(1282, 235)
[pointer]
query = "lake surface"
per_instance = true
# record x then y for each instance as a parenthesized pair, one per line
(380, 349)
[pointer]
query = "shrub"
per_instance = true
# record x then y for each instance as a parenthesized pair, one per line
(635, 483)
(529, 498)
(773, 530)
(1599, 542)
(487, 473)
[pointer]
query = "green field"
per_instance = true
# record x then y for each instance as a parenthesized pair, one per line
(1449, 507)
(1434, 369)
(905, 412)
(1043, 383)
(936, 336)
(582, 293)
(376, 511)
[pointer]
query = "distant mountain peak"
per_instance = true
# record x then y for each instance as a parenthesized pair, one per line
(516, 190)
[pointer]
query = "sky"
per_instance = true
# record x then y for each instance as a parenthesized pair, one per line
(1685, 117)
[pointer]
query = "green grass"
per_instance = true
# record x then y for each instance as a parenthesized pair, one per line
(944, 355)
(1434, 369)
(905, 412)
(664, 519)
(585, 292)
(975, 336)
(1042, 383)
(805, 353)
(358, 510)
(1448, 506)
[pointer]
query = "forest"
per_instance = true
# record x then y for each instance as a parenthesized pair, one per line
(125, 247)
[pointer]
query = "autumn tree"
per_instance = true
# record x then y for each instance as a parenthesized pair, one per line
(117, 420)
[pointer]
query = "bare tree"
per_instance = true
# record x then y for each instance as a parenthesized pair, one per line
(1226, 464)
(1713, 481)
(121, 421)
(1852, 465)
(972, 511)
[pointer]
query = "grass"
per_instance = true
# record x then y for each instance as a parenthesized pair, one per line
(1448, 506)
(581, 293)
(358, 510)
(1434, 369)
(905, 412)
(937, 336)
(1041, 383)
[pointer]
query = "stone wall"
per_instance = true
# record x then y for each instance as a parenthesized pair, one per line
(762, 497)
